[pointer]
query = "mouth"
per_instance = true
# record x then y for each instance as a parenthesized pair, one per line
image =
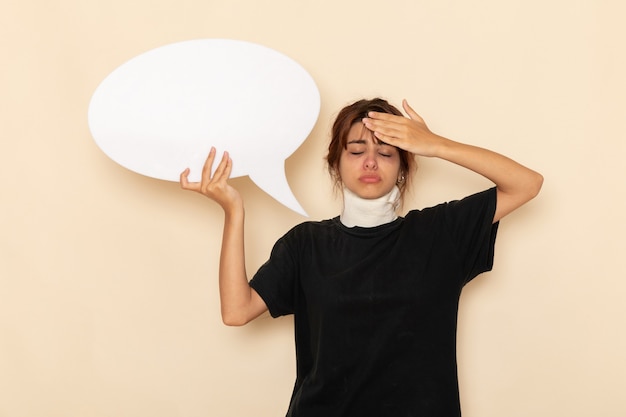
(369, 179)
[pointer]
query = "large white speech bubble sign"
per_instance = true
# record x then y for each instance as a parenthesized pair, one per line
(163, 110)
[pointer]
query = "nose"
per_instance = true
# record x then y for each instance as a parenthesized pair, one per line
(370, 161)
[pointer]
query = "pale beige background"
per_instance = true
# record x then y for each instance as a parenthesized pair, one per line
(108, 302)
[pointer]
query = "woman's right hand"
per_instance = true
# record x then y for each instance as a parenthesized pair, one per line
(215, 187)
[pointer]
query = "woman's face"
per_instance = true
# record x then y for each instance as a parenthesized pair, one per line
(368, 168)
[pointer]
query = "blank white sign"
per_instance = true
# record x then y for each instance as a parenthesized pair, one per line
(163, 110)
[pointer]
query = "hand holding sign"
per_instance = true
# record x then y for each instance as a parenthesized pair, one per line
(215, 184)
(163, 110)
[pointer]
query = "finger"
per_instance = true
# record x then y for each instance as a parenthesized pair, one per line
(229, 167)
(388, 121)
(375, 124)
(388, 139)
(382, 127)
(220, 171)
(385, 116)
(184, 178)
(412, 113)
(208, 165)
(184, 181)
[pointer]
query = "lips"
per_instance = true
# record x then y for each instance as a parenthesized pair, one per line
(369, 179)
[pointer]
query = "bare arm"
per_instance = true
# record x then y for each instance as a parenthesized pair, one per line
(515, 183)
(239, 302)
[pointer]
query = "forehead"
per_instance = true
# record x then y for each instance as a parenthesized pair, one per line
(359, 134)
(359, 131)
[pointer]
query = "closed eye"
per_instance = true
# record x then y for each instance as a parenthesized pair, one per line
(386, 150)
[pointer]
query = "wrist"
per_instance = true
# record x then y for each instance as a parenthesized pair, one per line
(441, 147)
(233, 208)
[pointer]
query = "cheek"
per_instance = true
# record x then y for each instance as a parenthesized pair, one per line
(346, 165)
(343, 162)
(392, 163)
(338, 168)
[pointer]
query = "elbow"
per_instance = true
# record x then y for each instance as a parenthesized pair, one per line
(231, 322)
(535, 185)
(234, 320)
(525, 191)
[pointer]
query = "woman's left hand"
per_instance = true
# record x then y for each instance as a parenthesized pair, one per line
(516, 184)
(410, 134)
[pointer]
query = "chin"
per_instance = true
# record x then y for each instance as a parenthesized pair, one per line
(371, 194)
(369, 191)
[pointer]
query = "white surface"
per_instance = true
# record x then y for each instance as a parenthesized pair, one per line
(163, 110)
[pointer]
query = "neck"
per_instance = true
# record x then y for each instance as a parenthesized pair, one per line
(363, 212)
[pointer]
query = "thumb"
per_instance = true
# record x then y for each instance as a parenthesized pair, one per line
(409, 110)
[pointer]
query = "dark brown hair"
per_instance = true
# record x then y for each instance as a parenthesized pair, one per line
(352, 114)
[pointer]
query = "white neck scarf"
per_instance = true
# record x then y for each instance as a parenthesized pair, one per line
(363, 212)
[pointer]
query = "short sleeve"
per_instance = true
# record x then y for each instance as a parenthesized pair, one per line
(469, 223)
(275, 279)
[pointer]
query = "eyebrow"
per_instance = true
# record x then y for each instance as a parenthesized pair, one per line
(357, 141)
(363, 142)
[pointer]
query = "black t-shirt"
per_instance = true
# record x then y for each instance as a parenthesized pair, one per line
(375, 309)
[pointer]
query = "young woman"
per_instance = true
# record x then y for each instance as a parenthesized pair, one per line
(374, 295)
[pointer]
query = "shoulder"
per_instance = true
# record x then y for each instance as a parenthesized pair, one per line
(310, 229)
(478, 199)
(470, 206)
(313, 226)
